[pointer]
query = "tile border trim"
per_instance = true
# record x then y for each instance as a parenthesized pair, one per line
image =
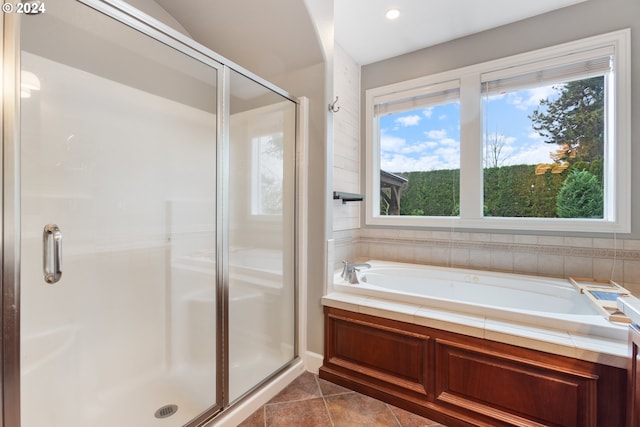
(537, 249)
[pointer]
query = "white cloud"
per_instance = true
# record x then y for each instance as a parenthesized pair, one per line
(449, 142)
(500, 138)
(421, 156)
(401, 163)
(431, 144)
(417, 148)
(535, 136)
(436, 134)
(530, 155)
(530, 98)
(449, 157)
(391, 143)
(530, 152)
(408, 120)
(437, 151)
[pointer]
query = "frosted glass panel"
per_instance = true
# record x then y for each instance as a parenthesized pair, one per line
(118, 146)
(261, 234)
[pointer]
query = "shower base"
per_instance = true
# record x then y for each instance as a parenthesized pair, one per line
(137, 405)
(136, 402)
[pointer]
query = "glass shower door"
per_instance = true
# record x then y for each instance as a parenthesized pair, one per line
(118, 150)
(261, 289)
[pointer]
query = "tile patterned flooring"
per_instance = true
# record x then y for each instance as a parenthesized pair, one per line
(313, 402)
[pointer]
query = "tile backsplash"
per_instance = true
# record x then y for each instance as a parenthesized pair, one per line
(556, 256)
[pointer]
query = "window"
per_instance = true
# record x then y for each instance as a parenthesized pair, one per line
(419, 132)
(260, 158)
(267, 174)
(538, 141)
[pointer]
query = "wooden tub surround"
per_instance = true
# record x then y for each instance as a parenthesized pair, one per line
(461, 380)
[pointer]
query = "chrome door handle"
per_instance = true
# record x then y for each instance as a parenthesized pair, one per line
(52, 253)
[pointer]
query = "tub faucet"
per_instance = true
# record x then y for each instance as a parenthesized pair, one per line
(349, 272)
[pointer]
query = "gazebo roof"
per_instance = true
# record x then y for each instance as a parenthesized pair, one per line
(388, 179)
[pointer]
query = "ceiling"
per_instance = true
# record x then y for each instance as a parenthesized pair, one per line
(257, 34)
(367, 36)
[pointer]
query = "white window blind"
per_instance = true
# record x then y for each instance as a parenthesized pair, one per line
(423, 97)
(578, 66)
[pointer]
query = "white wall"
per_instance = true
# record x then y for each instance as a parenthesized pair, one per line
(346, 139)
(151, 8)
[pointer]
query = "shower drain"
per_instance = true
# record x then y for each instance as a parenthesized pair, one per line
(166, 411)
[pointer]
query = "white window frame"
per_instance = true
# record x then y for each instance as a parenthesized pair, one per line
(617, 215)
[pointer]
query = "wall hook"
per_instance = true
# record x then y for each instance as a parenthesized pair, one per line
(333, 108)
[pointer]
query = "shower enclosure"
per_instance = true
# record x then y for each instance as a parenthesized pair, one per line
(148, 222)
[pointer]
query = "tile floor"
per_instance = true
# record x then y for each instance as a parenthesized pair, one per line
(313, 402)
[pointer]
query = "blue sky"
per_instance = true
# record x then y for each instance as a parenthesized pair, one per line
(429, 138)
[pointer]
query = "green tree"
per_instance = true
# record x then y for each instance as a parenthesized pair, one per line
(580, 196)
(575, 120)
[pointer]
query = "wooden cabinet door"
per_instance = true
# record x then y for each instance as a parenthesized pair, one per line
(634, 377)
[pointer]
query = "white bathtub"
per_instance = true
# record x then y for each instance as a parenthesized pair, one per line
(544, 312)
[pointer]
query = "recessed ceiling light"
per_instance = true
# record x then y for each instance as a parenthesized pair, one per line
(392, 13)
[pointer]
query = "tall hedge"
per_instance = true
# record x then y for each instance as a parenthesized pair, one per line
(432, 193)
(509, 191)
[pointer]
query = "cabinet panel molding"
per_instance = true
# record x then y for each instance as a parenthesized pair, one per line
(460, 380)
